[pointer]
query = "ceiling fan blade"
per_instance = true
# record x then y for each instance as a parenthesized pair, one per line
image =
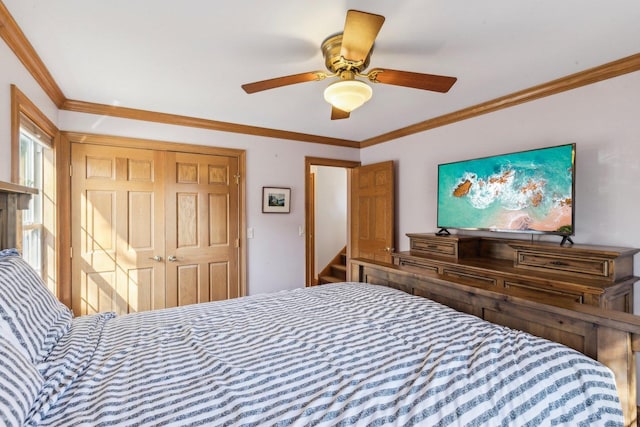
(338, 114)
(414, 80)
(283, 81)
(360, 31)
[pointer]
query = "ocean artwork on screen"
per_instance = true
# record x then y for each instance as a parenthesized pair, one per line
(530, 191)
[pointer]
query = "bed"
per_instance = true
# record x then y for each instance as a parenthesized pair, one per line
(341, 354)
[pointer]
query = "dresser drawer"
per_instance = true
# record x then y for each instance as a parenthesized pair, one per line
(417, 263)
(474, 279)
(541, 293)
(588, 267)
(434, 247)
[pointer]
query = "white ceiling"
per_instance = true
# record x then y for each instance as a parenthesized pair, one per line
(190, 57)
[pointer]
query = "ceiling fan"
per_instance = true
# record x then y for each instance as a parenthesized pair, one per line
(346, 56)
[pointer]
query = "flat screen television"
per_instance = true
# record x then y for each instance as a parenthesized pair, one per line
(525, 192)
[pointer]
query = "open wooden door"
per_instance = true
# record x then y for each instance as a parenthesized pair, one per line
(372, 212)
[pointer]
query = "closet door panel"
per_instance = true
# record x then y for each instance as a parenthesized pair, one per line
(117, 229)
(203, 230)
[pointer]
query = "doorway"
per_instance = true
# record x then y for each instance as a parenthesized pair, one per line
(370, 212)
(312, 225)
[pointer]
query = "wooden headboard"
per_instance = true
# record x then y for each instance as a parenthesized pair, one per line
(13, 197)
(611, 337)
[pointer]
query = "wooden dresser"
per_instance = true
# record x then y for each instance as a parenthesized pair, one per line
(596, 275)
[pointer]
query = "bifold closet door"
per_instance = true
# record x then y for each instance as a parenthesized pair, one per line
(117, 229)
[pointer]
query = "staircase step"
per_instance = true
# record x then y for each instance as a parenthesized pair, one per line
(335, 270)
(339, 270)
(339, 267)
(329, 279)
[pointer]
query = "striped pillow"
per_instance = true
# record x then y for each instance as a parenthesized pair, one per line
(9, 252)
(32, 313)
(20, 384)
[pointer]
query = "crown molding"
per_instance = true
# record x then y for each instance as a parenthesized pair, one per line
(573, 81)
(172, 119)
(18, 43)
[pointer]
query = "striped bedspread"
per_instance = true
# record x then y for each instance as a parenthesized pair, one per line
(342, 354)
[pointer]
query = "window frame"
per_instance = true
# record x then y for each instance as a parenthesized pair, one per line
(23, 107)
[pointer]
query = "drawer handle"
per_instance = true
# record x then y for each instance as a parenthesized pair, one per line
(432, 246)
(558, 263)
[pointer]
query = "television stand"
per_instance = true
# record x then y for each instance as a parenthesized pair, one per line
(601, 276)
(566, 239)
(444, 232)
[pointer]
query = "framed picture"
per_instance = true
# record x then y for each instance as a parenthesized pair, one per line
(276, 200)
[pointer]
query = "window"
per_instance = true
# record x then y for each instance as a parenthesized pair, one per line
(35, 162)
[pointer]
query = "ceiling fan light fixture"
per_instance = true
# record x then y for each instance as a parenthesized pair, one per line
(347, 95)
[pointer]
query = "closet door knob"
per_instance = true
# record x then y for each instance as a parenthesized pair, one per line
(172, 258)
(157, 258)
